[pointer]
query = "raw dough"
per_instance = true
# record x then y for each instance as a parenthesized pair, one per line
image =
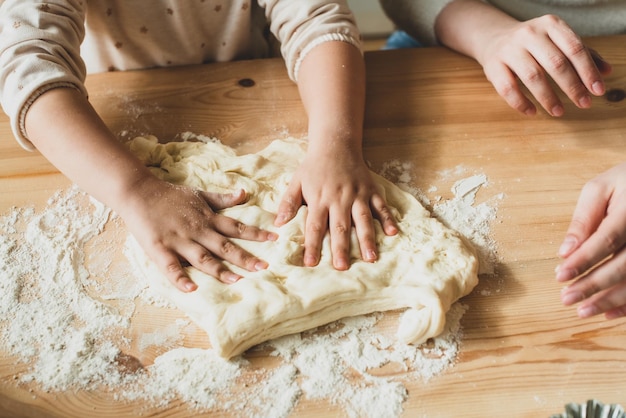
(426, 267)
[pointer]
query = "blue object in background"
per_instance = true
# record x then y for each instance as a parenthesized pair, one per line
(401, 39)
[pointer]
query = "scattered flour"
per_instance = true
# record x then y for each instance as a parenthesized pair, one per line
(67, 316)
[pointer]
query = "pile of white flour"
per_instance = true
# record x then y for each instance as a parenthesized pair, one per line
(67, 313)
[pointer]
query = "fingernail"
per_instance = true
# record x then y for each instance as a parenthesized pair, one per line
(260, 265)
(371, 255)
(568, 245)
(571, 298)
(586, 311)
(598, 88)
(231, 277)
(531, 111)
(563, 275)
(557, 110)
(190, 286)
(585, 101)
(309, 261)
(271, 236)
(341, 264)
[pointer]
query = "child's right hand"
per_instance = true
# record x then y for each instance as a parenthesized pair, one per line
(535, 51)
(175, 224)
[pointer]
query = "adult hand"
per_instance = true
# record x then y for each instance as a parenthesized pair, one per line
(534, 52)
(594, 248)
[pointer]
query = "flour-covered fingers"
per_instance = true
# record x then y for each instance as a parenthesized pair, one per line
(232, 228)
(290, 203)
(339, 228)
(382, 212)
(365, 231)
(315, 228)
(169, 263)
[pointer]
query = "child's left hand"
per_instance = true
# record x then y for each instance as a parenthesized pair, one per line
(340, 193)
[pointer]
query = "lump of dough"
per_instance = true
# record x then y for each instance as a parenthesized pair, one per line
(425, 268)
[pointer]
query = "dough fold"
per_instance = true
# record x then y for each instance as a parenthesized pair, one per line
(425, 268)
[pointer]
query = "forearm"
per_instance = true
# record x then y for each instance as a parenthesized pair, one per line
(466, 25)
(65, 128)
(331, 82)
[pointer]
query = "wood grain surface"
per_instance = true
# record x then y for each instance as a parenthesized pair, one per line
(523, 354)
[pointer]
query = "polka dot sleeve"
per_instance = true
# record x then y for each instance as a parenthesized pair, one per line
(39, 51)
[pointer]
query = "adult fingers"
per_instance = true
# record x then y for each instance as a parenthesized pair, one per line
(602, 277)
(507, 86)
(533, 76)
(611, 301)
(580, 59)
(588, 214)
(567, 68)
(603, 66)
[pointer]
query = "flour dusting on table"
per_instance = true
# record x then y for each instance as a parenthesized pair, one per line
(67, 314)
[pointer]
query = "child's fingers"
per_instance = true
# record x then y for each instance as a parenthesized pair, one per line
(289, 204)
(365, 232)
(169, 264)
(340, 227)
(315, 228)
(383, 214)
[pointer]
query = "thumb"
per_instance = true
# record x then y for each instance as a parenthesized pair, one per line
(290, 203)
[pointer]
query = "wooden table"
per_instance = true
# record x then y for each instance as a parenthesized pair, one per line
(523, 353)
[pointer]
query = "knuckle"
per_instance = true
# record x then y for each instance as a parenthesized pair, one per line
(613, 241)
(228, 247)
(341, 228)
(531, 75)
(558, 63)
(241, 228)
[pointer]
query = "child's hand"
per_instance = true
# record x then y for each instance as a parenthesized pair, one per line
(535, 51)
(340, 193)
(597, 231)
(175, 224)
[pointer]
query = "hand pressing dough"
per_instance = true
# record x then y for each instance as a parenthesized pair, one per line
(426, 267)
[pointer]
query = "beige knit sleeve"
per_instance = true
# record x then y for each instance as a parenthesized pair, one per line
(416, 17)
(39, 51)
(301, 25)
